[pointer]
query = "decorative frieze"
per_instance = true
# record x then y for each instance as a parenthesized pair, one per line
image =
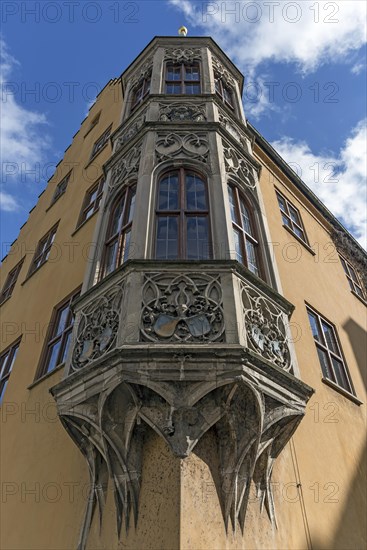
(237, 166)
(97, 327)
(130, 131)
(172, 145)
(144, 71)
(192, 112)
(127, 166)
(265, 327)
(182, 308)
(182, 55)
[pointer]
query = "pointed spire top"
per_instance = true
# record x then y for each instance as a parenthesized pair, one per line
(182, 31)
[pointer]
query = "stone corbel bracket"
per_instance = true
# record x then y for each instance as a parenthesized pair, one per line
(253, 407)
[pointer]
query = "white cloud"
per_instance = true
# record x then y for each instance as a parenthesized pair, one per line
(306, 33)
(23, 141)
(338, 180)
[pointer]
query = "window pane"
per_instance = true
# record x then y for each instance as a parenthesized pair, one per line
(299, 232)
(88, 213)
(167, 238)
(173, 88)
(117, 217)
(61, 321)
(67, 340)
(52, 359)
(245, 217)
(192, 89)
(350, 283)
(314, 327)
(294, 214)
(111, 257)
(3, 385)
(195, 193)
(324, 362)
(126, 246)
(168, 193)
(237, 244)
(132, 206)
(353, 275)
(251, 258)
(340, 374)
(173, 72)
(281, 203)
(12, 360)
(197, 238)
(330, 337)
(344, 266)
(217, 86)
(358, 291)
(286, 220)
(232, 203)
(3, 364)
(192, 73)
(227, 95)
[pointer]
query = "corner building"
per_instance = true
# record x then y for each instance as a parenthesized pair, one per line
(196, 317)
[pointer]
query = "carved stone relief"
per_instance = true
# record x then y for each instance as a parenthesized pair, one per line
(223, 73)
(356, 256)
(127, 166)
(265, 327)
(182, 111)
(182, 308)
(231, 129)
(97, 327)
(237, 166)
(195, 146)
(130, 131)
(182, 55)
(143, 72)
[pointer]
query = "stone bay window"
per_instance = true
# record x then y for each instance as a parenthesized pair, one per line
(180, 334)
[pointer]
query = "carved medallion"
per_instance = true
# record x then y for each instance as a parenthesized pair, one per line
(238, 166)
(195, 146)
(130, 131)
(178, 111)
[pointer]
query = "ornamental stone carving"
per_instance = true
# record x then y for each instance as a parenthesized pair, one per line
(194, 146)
(265, 327)
(143, 72)
(231, 128)
(182, 308)
(127, 166)
(237, 166)
(178, 111)
(97, 327)
(352, 252)
(182, 55)
(130, 131)
(221, 71)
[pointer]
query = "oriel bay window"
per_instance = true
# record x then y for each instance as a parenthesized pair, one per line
(183, 78)
(116, 250)
(182, 225)
(245, 238)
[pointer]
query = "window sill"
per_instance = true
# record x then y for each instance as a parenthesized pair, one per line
(83, 223)
(55, 201)
(357, 296)
(44, 376)
(303, 243)
(5, 300)
(341, 390)
(92, 159)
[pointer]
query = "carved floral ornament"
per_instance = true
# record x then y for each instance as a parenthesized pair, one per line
(194, 146)
(182, 55)
(265, 327)
(237, 166)
(182, 111)
(143, 72)
(127, 166)
(182, 308)
(130, 131)
(97, 327)
(355, 255)
(223, 73)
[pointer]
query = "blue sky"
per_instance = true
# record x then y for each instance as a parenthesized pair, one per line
(305, 91)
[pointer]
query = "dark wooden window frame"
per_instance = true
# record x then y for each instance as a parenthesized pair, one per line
(323, 346)
(140, 92)
(100, 142)
(52, 339)
(61, 188)
(7, 359)
(254, 239)
(119, 237)
(221, 89)
(353, 278)
(43, 249)
(91, 205)
(183, 213)
(182, 82)
(10, 281)
(292, 224)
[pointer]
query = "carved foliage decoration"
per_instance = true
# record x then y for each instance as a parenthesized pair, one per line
(265, 327)
(195, 146)
(127, 166)
(352, 252)
(222, 72)
(237, 166)
(182, 111)
(97, 327)
(182, 55)
(251, 430)
(130, 131)
(182, 308)
(143, 72)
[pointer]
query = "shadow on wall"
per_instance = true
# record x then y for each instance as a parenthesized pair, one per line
(358, 340)
(351, 533)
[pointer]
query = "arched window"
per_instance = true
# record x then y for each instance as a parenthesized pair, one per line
(182, 225)
(116, 249)
(224, 91)
(245, 238)
(183, 78)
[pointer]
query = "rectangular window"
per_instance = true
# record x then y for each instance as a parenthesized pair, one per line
(91, 201)
(59, 336)
(43, 250)
(10, 282)
(183, 78)
(291, 217)
(353, 279)
(140, 92)
(224, 92)
(7, 359)
(329, 352)
(101, 142)
(61, 188)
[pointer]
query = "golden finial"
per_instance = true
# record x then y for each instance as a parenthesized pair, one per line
(182, 31)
